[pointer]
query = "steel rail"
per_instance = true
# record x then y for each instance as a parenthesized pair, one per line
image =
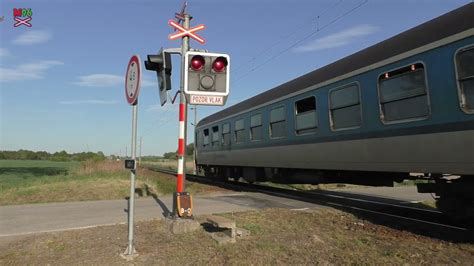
(428, 218)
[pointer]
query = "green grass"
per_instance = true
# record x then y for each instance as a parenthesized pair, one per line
(25, 181)
(36, 163)
(409, 183)
(24, 173)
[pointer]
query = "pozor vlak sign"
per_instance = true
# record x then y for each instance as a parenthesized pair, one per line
(206, 78)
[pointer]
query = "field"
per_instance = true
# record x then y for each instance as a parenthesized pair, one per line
(277, 237)
(23, 181)
(171, 165)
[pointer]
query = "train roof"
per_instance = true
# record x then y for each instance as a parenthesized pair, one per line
(451, 23)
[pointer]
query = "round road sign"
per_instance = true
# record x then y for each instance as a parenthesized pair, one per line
(132, 80)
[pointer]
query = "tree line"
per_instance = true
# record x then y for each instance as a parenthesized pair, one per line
(60, 156)
(63, 156)
(174, 155)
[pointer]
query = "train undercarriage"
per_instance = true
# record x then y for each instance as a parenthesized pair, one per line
(454, 194)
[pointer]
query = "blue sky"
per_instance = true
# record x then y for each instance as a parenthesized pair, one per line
(62, 80)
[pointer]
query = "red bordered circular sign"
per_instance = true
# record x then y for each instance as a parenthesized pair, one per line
(132, 80)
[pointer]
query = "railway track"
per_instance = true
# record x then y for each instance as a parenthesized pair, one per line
(393, 213)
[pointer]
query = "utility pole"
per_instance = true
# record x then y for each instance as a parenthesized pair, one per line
(126, 152)
(140, 155)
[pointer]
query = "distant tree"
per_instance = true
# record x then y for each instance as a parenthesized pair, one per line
(174, 155)
(61, 156)
(170, 155)
(42, 155)
(190, 149)
(57, 156)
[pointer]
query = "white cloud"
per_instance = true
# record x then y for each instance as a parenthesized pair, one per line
(4, 52)
(149, 83)
(166, 114)
(87, 102)
(338, 39)
(168, 108)
(101, 80)
(27, 71)
(107, 80)
(33, 37)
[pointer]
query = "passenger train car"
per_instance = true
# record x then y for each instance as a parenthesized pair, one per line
(400, 107)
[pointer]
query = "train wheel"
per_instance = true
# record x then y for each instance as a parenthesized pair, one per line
(457, 209)
(208, 173)
(220, 174)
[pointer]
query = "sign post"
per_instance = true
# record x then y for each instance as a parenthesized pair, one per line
(132, 89)
(183, 106)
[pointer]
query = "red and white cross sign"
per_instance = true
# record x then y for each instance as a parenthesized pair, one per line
(20, 21)
(182, 31)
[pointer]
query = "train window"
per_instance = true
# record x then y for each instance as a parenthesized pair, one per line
(239, 131)
(403, 94)
(305, 115)
(226, 134)
(465, 76)
(256, 127)
(344, 105)
(205, 134)
(215, 136)
(278, 123)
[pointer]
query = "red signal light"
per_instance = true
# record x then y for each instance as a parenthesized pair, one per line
(197, 62)
(219, 64)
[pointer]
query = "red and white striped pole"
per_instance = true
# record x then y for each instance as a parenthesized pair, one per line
(181, 146)
(181, 175)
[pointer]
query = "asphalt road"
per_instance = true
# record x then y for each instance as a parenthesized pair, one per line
(35, 218)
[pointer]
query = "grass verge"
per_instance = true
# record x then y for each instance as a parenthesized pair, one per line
(23, 182)
(278, 237)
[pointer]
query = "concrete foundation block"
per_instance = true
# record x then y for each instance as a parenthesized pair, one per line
(241, 233)
(222, 238)
(225, 229)
(180, 226)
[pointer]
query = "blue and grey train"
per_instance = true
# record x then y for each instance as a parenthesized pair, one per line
(400, 109)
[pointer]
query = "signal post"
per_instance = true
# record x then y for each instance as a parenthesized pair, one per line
(183, 108)
(204, 81)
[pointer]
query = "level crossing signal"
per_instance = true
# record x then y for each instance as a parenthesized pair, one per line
(161, 64)
(206, 74)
